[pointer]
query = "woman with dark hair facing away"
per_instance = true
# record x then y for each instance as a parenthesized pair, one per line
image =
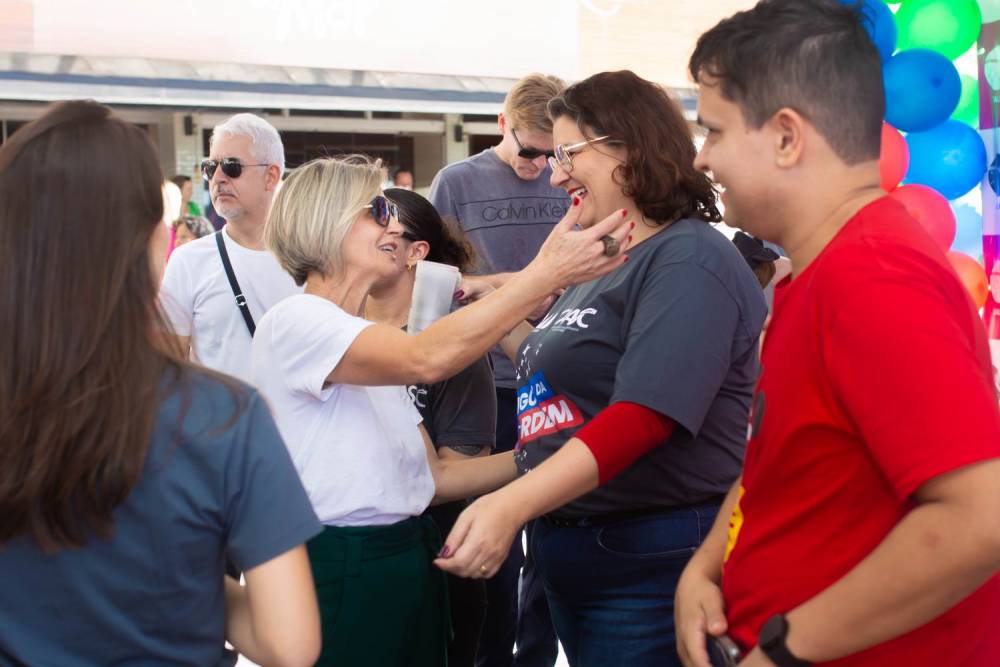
(634, 390)
(127, 476)
(460, 412)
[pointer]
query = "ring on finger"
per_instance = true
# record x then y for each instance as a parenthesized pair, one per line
(611, 245)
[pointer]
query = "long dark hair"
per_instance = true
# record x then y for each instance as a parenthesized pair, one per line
(82, 363)
(422, 222)
(659, 173)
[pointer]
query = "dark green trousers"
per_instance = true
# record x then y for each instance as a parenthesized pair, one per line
(382, 602)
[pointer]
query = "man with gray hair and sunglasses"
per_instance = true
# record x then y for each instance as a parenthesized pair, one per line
(217, 287)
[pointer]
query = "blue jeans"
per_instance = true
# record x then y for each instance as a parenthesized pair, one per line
(611, 586)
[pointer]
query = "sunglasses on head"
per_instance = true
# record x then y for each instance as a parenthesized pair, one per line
(529, 153)
(231, 167)
(383, 210)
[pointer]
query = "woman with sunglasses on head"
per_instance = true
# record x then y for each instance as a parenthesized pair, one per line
(633, 391)
(127, 476)
(460, 412)
(335, 383)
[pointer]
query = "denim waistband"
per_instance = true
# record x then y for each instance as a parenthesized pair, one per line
(628, 515)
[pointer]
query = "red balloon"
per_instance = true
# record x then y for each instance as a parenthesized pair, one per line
(972, 275)
(930, 209)
(894, 159)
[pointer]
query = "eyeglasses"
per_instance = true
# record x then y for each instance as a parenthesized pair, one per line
(383, 210)
(231, 167)
(529, 153)
(564, 154)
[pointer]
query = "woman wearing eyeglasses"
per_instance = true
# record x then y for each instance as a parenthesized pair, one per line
(335, 383)
(633, 391)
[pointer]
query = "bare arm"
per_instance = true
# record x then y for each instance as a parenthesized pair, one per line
(383, 355)
(483, 532)
(449, 454)
(707, 560)
(460, 478)
(698, 606)
(494, 280)
(511, 343)
(274, 619)
(936, 556)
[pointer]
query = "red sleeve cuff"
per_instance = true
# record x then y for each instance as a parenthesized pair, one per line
(622, 432)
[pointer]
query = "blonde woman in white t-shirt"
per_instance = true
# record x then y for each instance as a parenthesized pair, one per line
(336, 385)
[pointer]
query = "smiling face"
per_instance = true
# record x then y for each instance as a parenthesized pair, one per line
(591, 177)
(373, 250)
(740, 160)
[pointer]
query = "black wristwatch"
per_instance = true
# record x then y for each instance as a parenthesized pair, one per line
(772, 642)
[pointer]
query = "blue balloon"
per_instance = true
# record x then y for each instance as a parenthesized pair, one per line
(968, 231)
(922, 89)
(951, 158)
(880, 24)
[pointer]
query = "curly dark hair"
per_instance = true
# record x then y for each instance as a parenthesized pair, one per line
(422, 222)
(658, 172)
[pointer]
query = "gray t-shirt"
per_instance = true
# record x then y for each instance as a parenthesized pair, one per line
(460, 412)
(506, 219)
(675, 330)
(211, 487)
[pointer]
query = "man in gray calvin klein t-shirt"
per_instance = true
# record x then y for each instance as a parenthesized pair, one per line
(505, 216)
(502, 200)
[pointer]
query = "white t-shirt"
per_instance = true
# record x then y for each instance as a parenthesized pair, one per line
(198, 301)
(358, 451)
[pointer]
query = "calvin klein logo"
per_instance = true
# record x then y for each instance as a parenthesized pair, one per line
(542, 211)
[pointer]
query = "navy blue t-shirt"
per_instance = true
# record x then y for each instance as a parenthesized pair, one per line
(216, 484)
(676, 330)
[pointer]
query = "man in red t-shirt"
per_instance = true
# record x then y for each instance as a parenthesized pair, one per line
(865, 530)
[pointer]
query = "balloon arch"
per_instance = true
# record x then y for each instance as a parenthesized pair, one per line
(942, 156)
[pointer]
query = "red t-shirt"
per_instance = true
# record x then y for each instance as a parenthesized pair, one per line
(876, 378)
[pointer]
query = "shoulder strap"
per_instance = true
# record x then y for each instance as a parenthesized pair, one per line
(241, 301)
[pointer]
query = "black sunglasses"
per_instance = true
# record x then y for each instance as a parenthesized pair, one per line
(231, 167)
(383, 210)
(529, 153)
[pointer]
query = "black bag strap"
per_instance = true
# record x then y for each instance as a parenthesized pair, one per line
(241, 301)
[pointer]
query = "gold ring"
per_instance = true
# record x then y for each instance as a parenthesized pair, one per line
(611, 245)
(483, 569)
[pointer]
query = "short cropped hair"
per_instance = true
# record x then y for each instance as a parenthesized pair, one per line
(526, 101)
(658, 172)
(265, 142)
(314, 210)
(812, 56)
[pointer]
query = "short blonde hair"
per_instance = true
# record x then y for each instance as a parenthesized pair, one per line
(314, 210)
(525, 103)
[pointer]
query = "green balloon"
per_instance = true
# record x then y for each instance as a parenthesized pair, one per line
(967, 110)
(949, 27)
